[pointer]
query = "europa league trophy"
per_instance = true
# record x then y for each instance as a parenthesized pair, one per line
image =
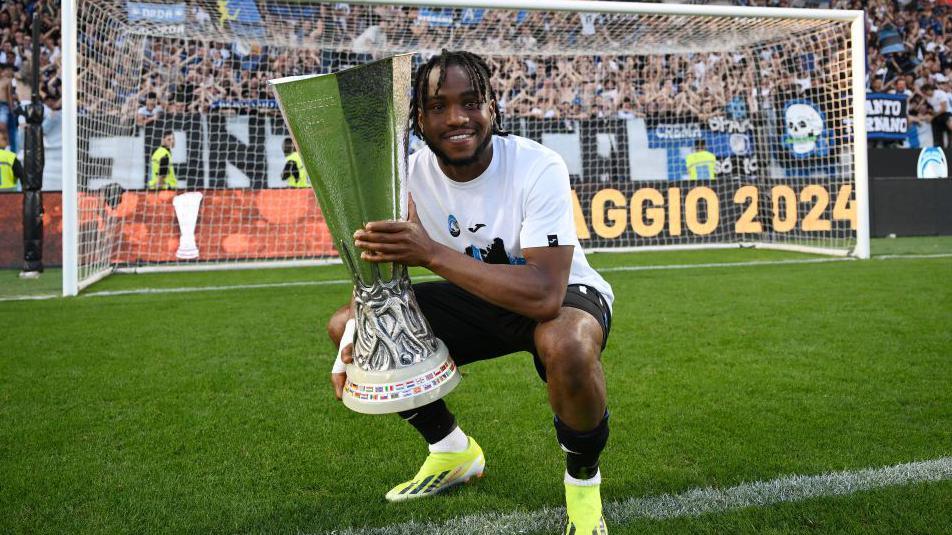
(186, 211)
(351, 130)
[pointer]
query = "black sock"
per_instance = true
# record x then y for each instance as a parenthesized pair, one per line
(582, 449)
(433, 421)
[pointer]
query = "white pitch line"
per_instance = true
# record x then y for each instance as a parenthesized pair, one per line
(727, 264)
(916, 256)
(189, 289)
(694, 502)
(30, 297)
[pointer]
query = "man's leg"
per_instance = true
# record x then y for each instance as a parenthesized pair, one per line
(454, 458)
(434, 421)
(940, 125)
(948, 129)
(473, 330)
(570, 349)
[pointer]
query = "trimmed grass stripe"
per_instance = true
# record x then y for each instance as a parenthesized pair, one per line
(221, 288)
(694, 502)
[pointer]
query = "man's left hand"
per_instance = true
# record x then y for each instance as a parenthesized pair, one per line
(404, 242)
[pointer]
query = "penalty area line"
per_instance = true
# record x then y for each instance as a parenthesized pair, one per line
(692, 503)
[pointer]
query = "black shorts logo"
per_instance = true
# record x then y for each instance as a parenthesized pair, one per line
(553, 240)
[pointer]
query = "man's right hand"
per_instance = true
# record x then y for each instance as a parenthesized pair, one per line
(345, 355)
(339, 379)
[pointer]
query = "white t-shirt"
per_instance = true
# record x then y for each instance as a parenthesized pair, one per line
(588, 22)
(146, 112)
(521, 200)
(938, 98)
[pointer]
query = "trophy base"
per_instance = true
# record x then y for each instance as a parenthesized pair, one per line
(187, 253)
(401, 389)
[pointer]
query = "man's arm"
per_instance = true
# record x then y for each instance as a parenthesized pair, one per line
(336, 330)
(18, 172)
(163, 171)
(535, 289)
(290, 170)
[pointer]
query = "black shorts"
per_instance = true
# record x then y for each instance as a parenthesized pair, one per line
(474, 329)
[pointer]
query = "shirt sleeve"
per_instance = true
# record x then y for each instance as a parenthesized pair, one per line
(163, 166)
(18, 172)
(548, 220)
(290, 170)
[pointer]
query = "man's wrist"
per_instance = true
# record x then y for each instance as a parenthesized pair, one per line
(346, 339)
(437, 257)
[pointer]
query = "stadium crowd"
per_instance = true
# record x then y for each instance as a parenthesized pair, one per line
(909, 51)
(16, 59)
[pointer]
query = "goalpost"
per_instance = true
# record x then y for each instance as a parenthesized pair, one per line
(683, 126)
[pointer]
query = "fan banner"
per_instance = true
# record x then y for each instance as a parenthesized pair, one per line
(886, 116)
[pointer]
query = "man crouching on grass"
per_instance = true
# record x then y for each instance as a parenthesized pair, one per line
(491, 213)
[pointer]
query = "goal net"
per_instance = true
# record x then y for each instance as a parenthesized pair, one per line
(682, 126)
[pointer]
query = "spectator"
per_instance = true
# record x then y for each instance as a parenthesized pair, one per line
(626, 111)
(162, 172)
(149, 112)
(900, 88)
(294, 173)
(940, 104)
(701, 163)
(9, 56)
(8, 121)
(11, 171)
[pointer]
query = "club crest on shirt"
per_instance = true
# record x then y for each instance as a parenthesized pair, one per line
(453, 225)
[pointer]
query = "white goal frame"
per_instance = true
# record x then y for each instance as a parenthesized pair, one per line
(71, 284)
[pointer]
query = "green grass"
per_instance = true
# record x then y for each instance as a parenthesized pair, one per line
(912, 245)
(49, 283)
(210, 411)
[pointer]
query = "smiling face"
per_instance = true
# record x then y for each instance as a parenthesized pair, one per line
(456, 125)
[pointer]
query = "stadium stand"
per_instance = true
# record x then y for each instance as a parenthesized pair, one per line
(909, 48)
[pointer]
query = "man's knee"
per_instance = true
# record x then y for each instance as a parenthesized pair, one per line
(337, 323)
(570, 352)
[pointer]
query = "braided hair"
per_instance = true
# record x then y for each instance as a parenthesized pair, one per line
(479, 74)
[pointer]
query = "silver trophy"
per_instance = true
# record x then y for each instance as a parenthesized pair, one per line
(186, 211)
(351, 130)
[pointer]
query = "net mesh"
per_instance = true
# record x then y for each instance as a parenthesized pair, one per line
(677, 130)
